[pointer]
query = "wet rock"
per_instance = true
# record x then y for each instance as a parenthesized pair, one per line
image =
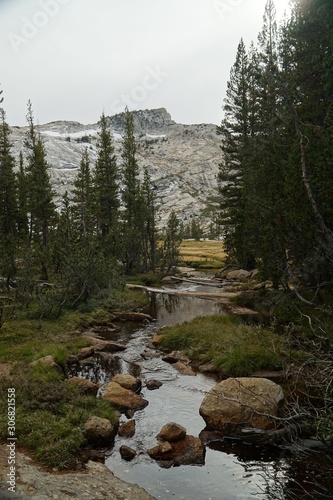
(172, 432)
(162, 451)
(156, 339)
(187, 451)
(132, 316)
(123, 399)
(127, 429)
(176, 356)
(208, 368)
(110, 347)
(153, 384)
(127, 453)
(238, 274)
(85, 352)
(238, 403)
(87, 361)
(49, 361)
(99, 431)
(94, 455)
(183, 369)
(87, 386)
(94, 341)
(105, 355)
(127, 382)
(167, 280)
(129, 413)
(149, 354)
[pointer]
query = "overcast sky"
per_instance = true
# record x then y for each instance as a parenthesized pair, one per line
(76, 58)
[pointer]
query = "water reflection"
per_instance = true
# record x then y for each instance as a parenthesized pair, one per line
(232, 470)
(172, 309)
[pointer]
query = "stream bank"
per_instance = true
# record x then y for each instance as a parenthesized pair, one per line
(232, 469)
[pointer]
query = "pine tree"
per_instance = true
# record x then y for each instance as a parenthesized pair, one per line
(235, 131)
(8, 203)
(269, 155)
(22, 188)
(308, 99)
(105, 183)
(40, 194)
(82, 198)
(172, 241)
(131, 197)
(148, 223)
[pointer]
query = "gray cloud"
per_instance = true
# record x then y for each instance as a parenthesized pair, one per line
(75, 58)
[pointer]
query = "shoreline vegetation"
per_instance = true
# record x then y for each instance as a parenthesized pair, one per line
(225, 343)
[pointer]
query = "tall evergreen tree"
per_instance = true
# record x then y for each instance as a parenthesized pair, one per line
(8, 203)
(148, 223)
(22, 188)
(285, 178)
(235, 132)
(40, 194)
(83, 199)
(130, 197)
(308, 97)
(172, 241)
(106, 184)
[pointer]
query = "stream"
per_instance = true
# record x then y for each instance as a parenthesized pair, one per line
(232, 470)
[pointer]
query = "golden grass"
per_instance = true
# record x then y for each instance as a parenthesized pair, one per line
(203, 253)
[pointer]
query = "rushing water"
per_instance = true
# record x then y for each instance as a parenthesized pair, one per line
(232, 470)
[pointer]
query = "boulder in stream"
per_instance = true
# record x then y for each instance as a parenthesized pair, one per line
(127, 453)
(236, 404)
(127, 429)
(123, 399)
(184, 369)
(127, 382)
(176, 448)
(172, 432)
(153, 384)
(99, 431)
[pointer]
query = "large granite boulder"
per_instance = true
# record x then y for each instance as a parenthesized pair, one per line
(123, 399)
(127, 382)
(236, 404)
(99, 431)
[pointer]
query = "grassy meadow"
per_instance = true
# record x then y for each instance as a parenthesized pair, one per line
(202, 254)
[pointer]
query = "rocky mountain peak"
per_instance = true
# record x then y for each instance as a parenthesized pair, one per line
(182, 160)
(145, 121)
